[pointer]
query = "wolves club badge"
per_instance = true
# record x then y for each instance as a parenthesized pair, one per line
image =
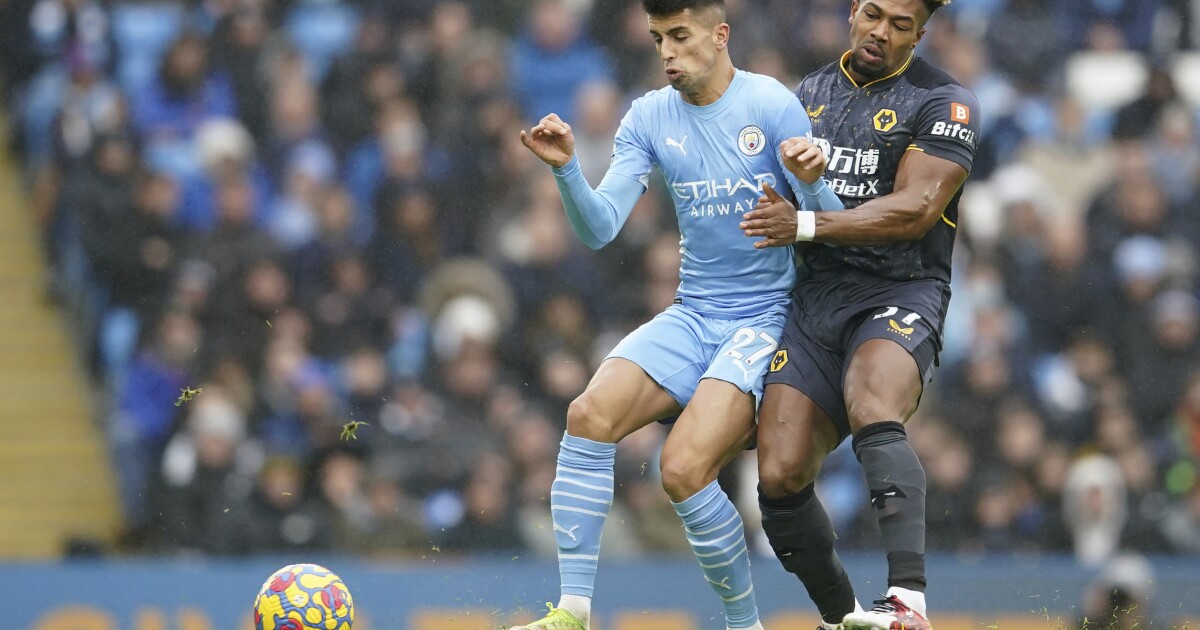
(780, 360)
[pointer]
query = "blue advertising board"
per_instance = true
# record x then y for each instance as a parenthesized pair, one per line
(440, 592)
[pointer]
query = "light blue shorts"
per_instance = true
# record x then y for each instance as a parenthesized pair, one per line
(679, 347)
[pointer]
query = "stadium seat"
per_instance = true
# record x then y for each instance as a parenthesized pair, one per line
(1185, 71)
(1106, 80)
(143, 31)
(321, 31)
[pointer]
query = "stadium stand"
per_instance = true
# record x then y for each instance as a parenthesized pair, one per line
(319, 211)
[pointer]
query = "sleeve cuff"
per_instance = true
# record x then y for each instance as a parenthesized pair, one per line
(814, 188)
(960, 157)
(567, 168)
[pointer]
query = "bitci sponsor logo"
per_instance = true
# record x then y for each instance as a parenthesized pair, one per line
(960, 113)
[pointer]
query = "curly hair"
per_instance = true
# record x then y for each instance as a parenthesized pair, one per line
(934, 5)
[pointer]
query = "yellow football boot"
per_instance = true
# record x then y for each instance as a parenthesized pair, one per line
(556, 619)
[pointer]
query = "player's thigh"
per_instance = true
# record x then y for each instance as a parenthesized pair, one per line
(744, 348)
(803, 415)
(883, 382)
(650, 375)
(673, 349)
(715, 427)
(891, 352)
(718, 422)
(620, 399)
(794, 437)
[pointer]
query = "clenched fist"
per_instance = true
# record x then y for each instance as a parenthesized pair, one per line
(803, 158)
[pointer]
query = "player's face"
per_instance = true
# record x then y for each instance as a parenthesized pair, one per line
(689, 46)
(883, 34)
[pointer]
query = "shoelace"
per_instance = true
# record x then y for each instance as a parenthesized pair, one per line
(887, 605)
(552, 609)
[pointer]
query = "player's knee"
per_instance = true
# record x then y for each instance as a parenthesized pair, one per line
(866, 407)
(586, 420)
(866, 411)
(880, 387)
(781, 477)
(684, 476)
(868, 400)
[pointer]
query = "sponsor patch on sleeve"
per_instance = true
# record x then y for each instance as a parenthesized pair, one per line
(960, 113)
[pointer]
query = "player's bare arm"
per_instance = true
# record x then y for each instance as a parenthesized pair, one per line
(924, 187)
(806, 161)
(551, 140)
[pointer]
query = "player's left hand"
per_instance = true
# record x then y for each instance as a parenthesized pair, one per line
(551, 140)
(803, 158)
(774, 218)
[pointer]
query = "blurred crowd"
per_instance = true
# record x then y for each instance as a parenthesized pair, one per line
(319, 211)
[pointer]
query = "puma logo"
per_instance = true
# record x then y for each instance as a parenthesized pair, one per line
(722, 583)
(568, 532)
(678, 145)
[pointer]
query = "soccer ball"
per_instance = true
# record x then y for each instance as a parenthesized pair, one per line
(303, 597)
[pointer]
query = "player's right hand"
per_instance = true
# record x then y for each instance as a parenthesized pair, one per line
(551, 140)
(773, 219)
(803, 158)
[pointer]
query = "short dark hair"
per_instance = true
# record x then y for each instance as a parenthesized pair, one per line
(671, 7)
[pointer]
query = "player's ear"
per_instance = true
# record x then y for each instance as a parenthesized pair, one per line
(721, 35)
(920, 34)
(853, 10)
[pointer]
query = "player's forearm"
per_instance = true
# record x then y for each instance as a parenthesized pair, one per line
(819, 196)
(595, 215)
(896, 217)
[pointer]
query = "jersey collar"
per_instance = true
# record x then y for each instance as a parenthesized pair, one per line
(721, 104)
(876, 82)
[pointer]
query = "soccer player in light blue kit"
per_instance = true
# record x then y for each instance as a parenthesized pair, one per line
(716, 134)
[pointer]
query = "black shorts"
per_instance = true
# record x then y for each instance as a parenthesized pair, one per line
(831, 318)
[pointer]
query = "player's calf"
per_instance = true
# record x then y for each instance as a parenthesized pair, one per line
(715, 531)
(896, 482)
(802, 537)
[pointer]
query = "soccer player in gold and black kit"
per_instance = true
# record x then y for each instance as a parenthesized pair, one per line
(865, 327)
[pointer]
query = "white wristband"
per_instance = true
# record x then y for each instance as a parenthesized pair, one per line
(806, 225)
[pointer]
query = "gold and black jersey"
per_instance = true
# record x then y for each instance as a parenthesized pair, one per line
(865, 130)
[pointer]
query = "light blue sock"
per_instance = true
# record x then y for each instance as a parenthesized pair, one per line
(715, 531)
(579, 502)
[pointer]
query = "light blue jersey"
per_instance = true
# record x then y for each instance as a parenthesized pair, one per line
(715, 160)
(731, 303)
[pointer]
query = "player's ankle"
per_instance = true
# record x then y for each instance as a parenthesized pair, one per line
(578, 605)
(834, 621)
(915, 600)
(837, 618)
